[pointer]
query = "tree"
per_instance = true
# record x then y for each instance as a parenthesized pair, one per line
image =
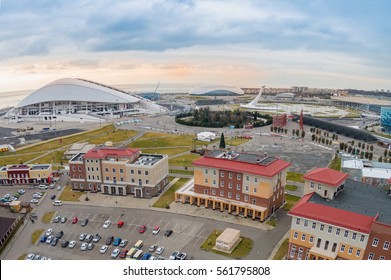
(313, 137)
(353, 143)
(271, 129)
(222, 141)
(302, 134)
(380, 159)
(385, 152)
(371, 148)
(297, 132)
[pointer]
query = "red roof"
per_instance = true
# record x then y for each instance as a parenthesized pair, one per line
(101, 152)
(327, 176)
(238, 166)
(331, 215)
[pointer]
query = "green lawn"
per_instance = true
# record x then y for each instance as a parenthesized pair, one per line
(335, 163)
(236, 142)
(36, 234)
(185, 172)
(294, 176)
(290, 187)
(271, 222)
(184, 160)
(69, 195)
(282, 250)
(165, 151)
(153, 139)
(243, 249)
(290, 201)
(169, 195)
(116, 137)
(16, 159)
(47, 217)
(54, 157)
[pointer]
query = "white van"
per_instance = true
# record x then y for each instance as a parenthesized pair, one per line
(138, 255)
(138, 244)
(130, 254)
(57, 203)
(43, 187)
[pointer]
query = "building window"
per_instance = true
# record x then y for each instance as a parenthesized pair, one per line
(206, 181)
(381, 258)
(298, 221)
(350, 251)
(222, 174)
(295, 235)
(300, 254)
(92, 169)
(139, 172)
(246, 188)
(88, 169)
(305, 223)
(254, 201)
(246, 197)
(303, 237)
(75, 185)
(121, 179)
(107, 178)
(312, 184)
(371, 256)
(97, 169)
(230, 175)
(342, 248)
(238, 187)
(292, 252)
(334, 247)
(386, 245)
(146, 191)
(362, 237)
(326, 245)
(79, 168)
(255, 190)
(354, 235)
(121, 171)
(375, 242)
(80, 177)
(214, 182)
(319, 187)
(221, 183)
(73, 168)
(132, 171)
(330, 229)
(247, 178)
(358, 253)
(214, 192)
(321, 227)
(256, 179)
(337, 231)
(221, 193)
(206, 171)
(238, 196)
(89, 177)
(229, 195)
(214, 172)
(313, 225)
(132, 180)
(318, 242)
(106, 169)
(205, 191)
(238, 176)
(346, 234)
(230, 185)
(311, 239)
(114, 170)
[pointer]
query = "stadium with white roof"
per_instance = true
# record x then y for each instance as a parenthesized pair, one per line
(67, 97)
(216, 91)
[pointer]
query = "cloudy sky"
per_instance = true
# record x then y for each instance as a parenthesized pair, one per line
(333, 43)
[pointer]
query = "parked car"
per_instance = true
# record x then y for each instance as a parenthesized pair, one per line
(49, 231)
(43, 187)
(51, 186)
(159, 250)
(115, 253)
(123, 253)
(49, 239)
(152, 248)
(84, 222)
(83, 246)
(117, 241)
(168, 232)
(59, 188)
(109, 240)
(63, 220)
(107, 224)
(123, 243)
(64, 243)
(74, 220)
(59, 234)
(57, 219)
(30, 257)
(43, 238)
(103, 249)
(53, 197)
(120, 224)
(57, 203)
(72, 244)
(37, 196)
(88, 238)
(17, 195)
(21, 191)
(82, 236)
(54, 242)
(174, 255)
(90, 246)
(181, 256)
(142, 229)
(156, 230)
(34, 201)
(96, 238)
(146, 256)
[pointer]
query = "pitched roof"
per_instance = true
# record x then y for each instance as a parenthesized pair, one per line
(101, 152)
(327, 176)
(269, 170)
(330, 215)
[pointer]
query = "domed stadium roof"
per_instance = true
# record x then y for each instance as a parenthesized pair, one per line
(77, 90)
(216, 91)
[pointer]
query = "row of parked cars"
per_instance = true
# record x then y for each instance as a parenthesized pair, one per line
(35, 257)
(8, 198)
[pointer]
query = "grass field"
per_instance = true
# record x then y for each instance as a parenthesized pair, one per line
(153, 139)
(271, 222)
(290, 187)
(116, 137)
(243, 249)
(184, 160)
(294, 176)
(185, 172)
(36, 234)
(47, 217)
(236, 142)
(335, 163)
(290, 201)
(16, 159)
(165, 151)
(69, 195)
(282, 250)
(54, 157)
(169, 195)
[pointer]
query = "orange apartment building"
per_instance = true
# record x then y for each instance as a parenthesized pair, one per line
(340, 219)
(248, 185)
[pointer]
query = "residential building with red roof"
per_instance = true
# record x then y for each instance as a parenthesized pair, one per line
(351, 223)
(119, 171)
(248, 185)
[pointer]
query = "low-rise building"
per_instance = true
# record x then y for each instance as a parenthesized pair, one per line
(78, 148)
(119, 171)
(340, 219)
(22, 174)
(248, 185)
(227, 240)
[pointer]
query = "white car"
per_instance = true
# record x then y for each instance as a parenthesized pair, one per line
(115, 253)
(72, 244)
(49, 239)
(34, 201)
(37, 196)
(43, 187)
(57, 203)
(30, 257)
(84, 246)
(48, 232)
(59, 188)
(82, 236)
(156, 230)
(22, 191)
(159, 250)
(123, 243)
(103, 249)
(107, 224)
